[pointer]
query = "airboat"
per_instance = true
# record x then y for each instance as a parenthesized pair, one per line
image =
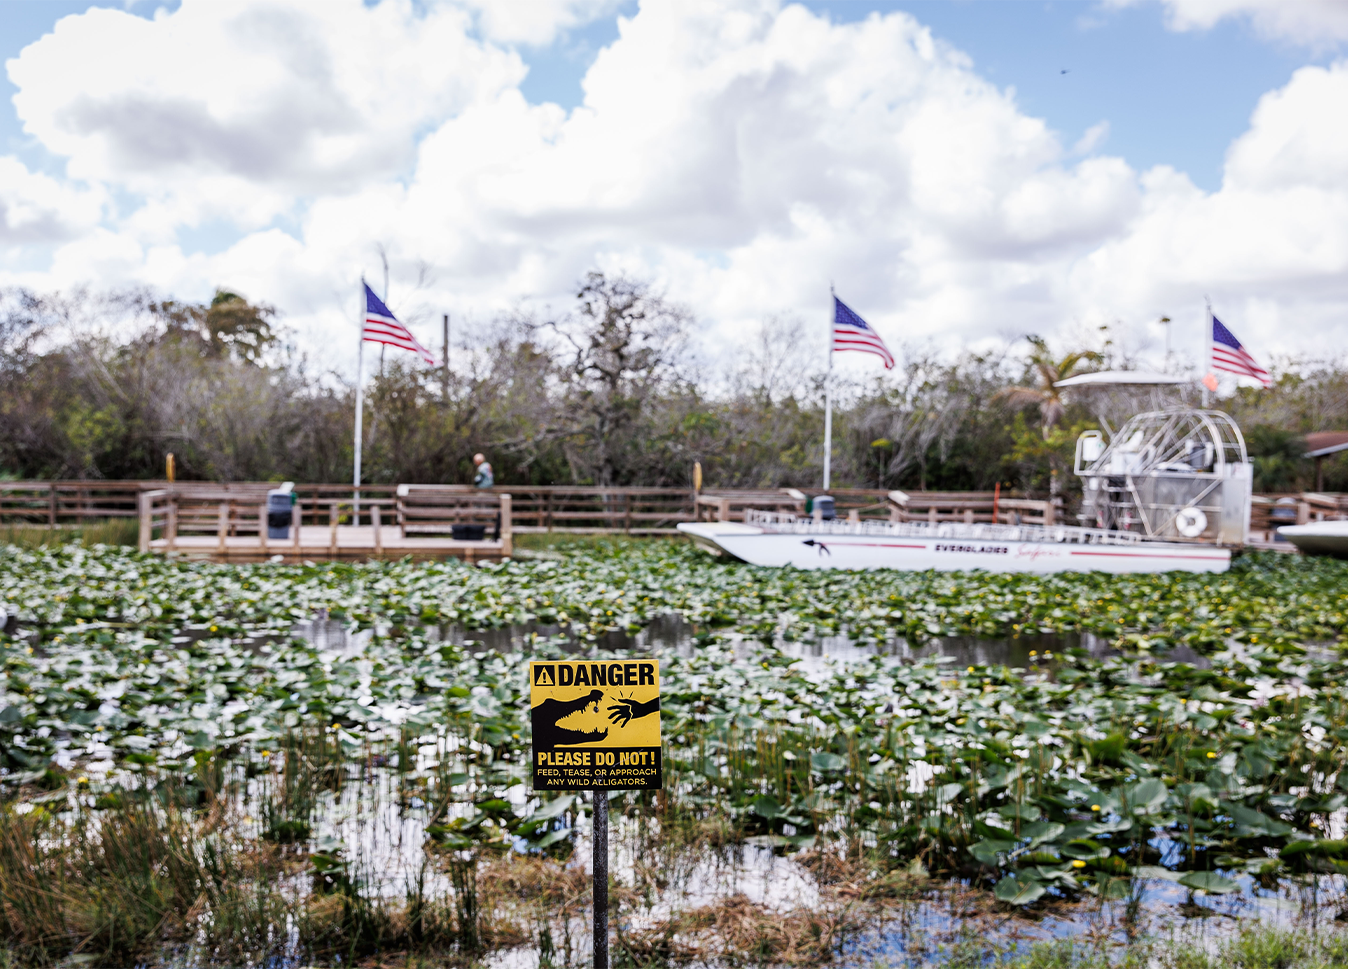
(1170, 491)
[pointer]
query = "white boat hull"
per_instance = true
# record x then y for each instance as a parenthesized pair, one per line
(1317, 538)
(831, 549)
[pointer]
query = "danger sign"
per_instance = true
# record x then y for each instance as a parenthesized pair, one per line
(596, 725)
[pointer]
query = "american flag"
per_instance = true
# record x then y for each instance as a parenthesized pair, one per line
(851, 332)
(1229, 355)
(381, 326)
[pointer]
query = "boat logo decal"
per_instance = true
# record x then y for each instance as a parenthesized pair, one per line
(981, 549)
(823, 549)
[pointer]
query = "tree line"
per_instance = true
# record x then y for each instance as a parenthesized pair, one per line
(609, 392)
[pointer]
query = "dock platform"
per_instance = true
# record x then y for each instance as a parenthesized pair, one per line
(233, 527)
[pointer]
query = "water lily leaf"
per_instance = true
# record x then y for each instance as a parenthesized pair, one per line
(990, 850)
(825, 761)
(948, 792)
(1083, 849)
(552, 837)
(1210, 882)
(1017, 892)
(1040, 831)
(766, 806)
(1026, 812)
(1148, 796)
(1155, 871)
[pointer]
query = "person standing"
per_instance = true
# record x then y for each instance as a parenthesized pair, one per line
(485, 478)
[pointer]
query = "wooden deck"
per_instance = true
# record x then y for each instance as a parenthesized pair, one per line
(317, 543)
(230, 527)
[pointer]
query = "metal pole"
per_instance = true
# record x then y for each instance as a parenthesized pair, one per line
(445, 378)
(1207, 354)
(600, 838)
(360, 396)
(828, 395)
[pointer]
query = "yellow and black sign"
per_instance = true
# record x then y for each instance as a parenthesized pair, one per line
(596, 725)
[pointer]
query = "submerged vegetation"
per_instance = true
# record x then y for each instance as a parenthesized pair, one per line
(183, 773)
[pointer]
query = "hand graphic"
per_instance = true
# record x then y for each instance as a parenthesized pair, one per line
(627, 710)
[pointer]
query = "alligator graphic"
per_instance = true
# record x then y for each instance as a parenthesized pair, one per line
(546, 715)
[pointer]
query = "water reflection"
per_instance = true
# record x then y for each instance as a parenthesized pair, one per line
(674, 634)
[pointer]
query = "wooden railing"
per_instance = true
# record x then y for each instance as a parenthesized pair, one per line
(552, 508)
(171, 520)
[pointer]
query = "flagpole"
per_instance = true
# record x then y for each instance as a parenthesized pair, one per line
(828, 394)
(1207, 352)
(360, 397)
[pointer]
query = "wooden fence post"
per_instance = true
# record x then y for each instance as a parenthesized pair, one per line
(375, 524)
(51, 508)
(144, 507)
(723, 510)
(507, 539)
(332, 530)
(221, 527)
(296, 522)
(262, 527)
(171, 527)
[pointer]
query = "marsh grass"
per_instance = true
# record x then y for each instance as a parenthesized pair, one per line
(114, 531)
(272, 799)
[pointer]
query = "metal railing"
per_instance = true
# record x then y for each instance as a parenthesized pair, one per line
(958, 531)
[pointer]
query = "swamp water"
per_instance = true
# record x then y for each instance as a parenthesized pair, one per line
(369, 788)
(928, 925)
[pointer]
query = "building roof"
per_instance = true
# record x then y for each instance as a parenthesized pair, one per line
(1321, 443)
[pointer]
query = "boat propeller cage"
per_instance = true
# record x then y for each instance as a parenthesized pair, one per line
(1176, 475)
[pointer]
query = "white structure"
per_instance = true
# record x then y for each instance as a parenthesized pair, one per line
(767, 538)
(1168, 475)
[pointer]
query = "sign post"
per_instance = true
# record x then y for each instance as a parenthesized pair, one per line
(596, 725)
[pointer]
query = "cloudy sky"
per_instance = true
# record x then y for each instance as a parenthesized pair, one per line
(962, 172)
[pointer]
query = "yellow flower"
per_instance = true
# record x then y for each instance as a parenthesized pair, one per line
(1211, 755)
(1095, 807)
(214, 628)
(1034, 652)
(82, 780)
(971, 669)
(1078, 864)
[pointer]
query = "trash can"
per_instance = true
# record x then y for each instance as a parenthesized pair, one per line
(824, 505)
(280, 512)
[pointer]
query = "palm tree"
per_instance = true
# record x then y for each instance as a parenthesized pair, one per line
(1047, 395)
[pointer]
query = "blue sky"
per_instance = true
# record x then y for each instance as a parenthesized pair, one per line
(1169, 98)
(742, 169)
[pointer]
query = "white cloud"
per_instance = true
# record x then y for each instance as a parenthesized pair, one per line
(1318, 24)
(224, 110)
(743, 155)
(36, 208)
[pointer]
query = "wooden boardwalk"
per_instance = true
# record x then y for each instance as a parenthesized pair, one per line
(229, 527)
(320, 543)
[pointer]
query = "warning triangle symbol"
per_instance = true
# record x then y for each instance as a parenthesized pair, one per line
(543, 676)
